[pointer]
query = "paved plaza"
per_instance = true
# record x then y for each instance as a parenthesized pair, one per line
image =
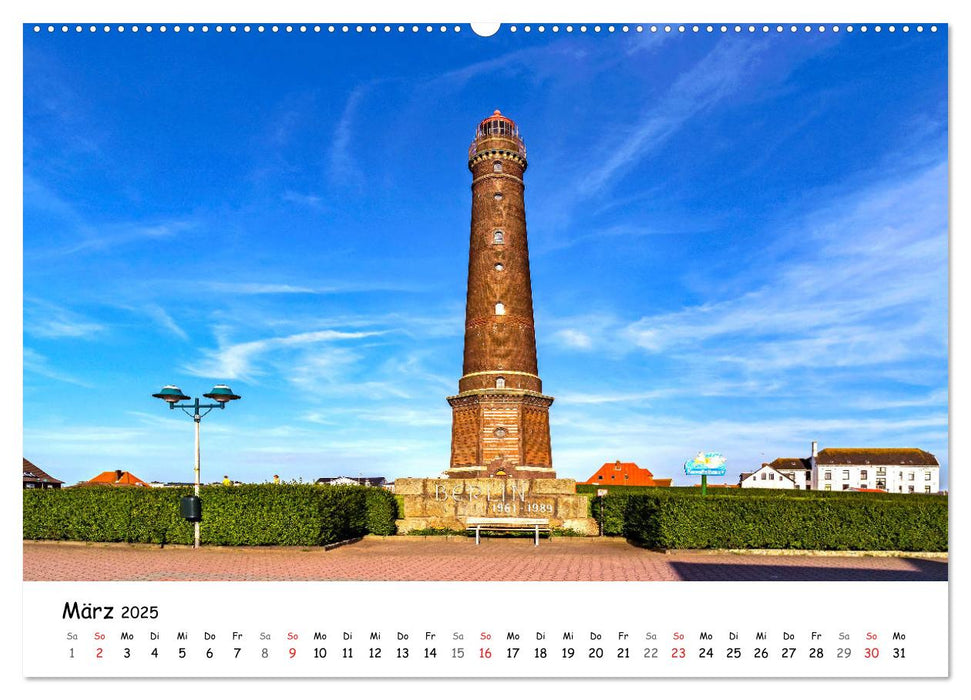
(454, 559)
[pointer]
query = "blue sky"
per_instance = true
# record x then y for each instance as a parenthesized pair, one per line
(738, 243)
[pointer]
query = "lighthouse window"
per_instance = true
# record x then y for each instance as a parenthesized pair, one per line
(497, 196)
(499, 267)
(500, 382)
(497, 237)
(500, 309)
(497, 166)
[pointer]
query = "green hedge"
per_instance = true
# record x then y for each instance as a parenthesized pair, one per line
(690, 491)
(382, 511)
(265, 514)
(864, 521)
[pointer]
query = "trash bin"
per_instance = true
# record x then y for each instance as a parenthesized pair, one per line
(190, 508)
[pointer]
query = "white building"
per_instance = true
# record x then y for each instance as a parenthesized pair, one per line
(766, 477)
(796, 468)
(895, 470)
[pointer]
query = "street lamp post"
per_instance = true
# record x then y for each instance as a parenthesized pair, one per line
(172, 395)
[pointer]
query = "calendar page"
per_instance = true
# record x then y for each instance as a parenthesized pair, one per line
(304, 396)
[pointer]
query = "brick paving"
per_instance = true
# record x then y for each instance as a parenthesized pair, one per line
(454, 559)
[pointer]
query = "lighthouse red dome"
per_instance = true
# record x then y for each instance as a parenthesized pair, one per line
(497, 125)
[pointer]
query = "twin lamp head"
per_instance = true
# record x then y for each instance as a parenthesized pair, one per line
(172, 394)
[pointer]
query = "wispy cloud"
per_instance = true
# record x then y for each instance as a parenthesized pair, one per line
(343, 165)
(259, 288)
(864, 288)
(314, 201)
(82, 234)
(272, 288)
(162, 318)
(709, 81)
(44, 319)
(239, 360)
(36, 363)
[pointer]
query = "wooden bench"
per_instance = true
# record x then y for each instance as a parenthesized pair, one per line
(534, 525)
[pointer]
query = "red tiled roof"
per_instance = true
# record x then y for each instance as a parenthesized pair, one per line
(625, 474)
(876, 455)
(35, 475)
(117, 478)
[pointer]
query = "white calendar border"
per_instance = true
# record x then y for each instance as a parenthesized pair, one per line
(441, 10)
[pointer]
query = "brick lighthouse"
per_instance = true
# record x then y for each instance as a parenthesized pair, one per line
(500, 417)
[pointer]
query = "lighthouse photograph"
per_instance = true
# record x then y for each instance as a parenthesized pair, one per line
(400, 302)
